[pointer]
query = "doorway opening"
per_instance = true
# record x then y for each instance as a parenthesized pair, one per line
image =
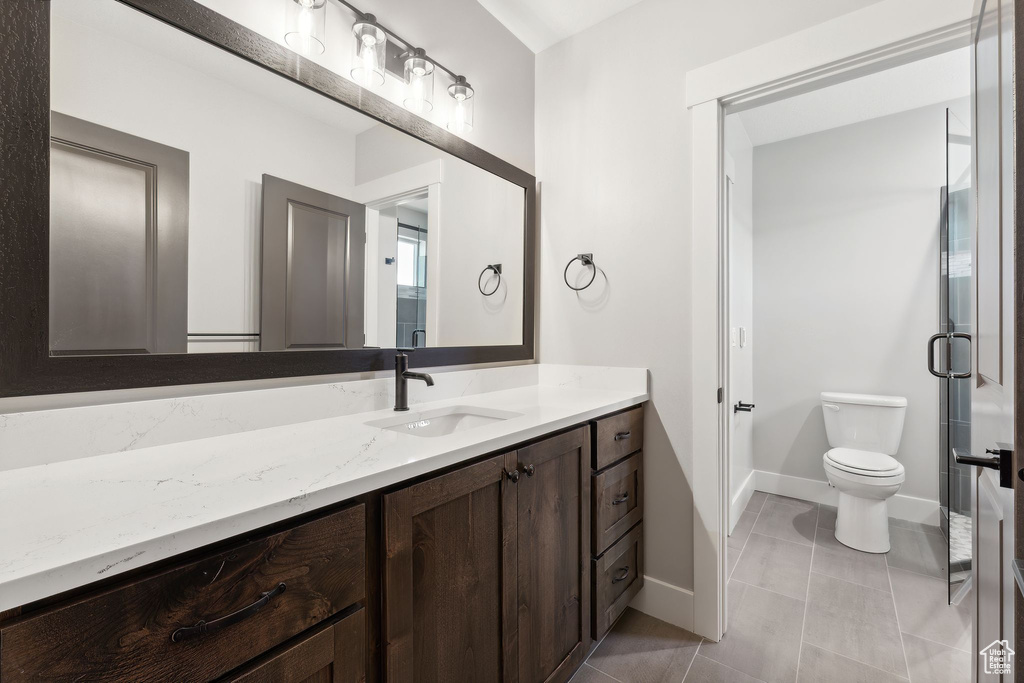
(847, 235)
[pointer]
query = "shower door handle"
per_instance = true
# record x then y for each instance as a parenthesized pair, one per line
(949, 337)
(999, 458)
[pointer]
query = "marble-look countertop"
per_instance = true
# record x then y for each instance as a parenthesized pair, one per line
(68, 524)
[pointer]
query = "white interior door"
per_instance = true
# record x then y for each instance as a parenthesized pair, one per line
(992, 388)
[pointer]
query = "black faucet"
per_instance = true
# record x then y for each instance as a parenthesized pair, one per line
(402, 375)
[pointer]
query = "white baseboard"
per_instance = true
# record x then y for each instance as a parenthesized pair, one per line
(666, 602)
(901, 507)
(739, 500)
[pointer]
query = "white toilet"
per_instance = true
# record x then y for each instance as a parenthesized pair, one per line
(864, 432)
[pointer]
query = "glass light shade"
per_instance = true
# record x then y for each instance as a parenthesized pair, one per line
(419, 75)
(306, 26)
(371, 51)
(460, 119)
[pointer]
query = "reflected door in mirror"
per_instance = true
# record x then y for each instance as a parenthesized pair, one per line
(118, 241)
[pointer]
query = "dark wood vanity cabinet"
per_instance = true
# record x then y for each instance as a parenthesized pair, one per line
(617, 543)
(486, 569)
(505, 569)
(199, 620)
(335, 653)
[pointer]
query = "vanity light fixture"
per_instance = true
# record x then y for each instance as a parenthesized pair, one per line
(460, 119)
(371, 52)
(306, 23)
(419, 78)
(380, 51)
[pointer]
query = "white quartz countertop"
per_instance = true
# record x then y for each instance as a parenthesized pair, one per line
(68, 524)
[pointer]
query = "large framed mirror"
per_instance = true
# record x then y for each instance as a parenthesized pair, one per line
(187, 201)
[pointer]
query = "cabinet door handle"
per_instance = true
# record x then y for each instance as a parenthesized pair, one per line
(622, 498)
(203, 627)
(621, 435)
(513, 476)
(621, 574)
(529, 469)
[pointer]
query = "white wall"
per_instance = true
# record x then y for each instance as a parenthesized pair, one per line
(846, 277)
(479, 222)
(613, 158)
(460, 34)
(739, 169)
(232, 134)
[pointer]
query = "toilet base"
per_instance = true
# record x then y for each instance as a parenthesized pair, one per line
(863, 523)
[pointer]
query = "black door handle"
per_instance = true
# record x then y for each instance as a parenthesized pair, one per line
(742, 407)
(1000, 458)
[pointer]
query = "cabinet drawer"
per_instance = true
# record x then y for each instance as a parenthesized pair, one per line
(331, 654)
(617, 436)
(618, 501)
(128, 632)
(618, 576)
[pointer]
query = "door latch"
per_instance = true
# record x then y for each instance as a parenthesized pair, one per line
(998, 458)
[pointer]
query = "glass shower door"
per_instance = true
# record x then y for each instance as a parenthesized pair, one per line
(955, 326)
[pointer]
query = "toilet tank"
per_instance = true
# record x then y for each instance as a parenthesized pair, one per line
(864, 421)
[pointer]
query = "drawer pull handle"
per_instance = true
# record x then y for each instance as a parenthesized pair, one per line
(513, 476)
(623, 497)
(621, 574)
(621, 435)
(204, 627)
(530, 470)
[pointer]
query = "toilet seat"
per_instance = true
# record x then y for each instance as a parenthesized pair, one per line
(863, 463)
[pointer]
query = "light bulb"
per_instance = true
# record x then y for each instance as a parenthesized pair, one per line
(461, 117)
(419, 74)
(306, 22)
(371, 50)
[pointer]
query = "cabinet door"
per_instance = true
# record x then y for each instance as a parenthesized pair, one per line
(554, 571)
(449, 577)
(332, 654)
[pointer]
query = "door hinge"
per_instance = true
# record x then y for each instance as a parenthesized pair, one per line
(721, 394)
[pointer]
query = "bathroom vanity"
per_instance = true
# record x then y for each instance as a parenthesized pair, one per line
(366, 553)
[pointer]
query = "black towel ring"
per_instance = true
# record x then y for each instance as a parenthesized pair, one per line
(586, 260)
(480, 280)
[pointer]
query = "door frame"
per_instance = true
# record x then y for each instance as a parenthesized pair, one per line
(873, 39)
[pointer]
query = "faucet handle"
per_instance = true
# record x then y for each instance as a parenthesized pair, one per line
(404, 349)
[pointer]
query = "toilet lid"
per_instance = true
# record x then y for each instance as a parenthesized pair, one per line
(864, 461)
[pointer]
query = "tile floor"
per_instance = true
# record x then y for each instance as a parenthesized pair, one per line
(803, 607)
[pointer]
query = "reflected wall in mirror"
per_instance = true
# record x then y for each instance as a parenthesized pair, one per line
(201, 203)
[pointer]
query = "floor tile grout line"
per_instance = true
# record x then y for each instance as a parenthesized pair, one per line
(903, 645)
(935, 642)
(852, 659)
(779, 538)
(743, 547)
(854, 583)
(730, 668)
(807, 598)
(587, 663)
(911, 571)
(693, 659)
(776, 538)
(766, 590)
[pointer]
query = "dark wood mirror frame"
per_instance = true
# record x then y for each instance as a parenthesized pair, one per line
(26, 366)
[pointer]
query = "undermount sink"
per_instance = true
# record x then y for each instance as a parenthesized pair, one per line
(443, 421)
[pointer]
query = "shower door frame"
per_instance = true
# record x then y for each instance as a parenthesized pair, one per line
(873, 39)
